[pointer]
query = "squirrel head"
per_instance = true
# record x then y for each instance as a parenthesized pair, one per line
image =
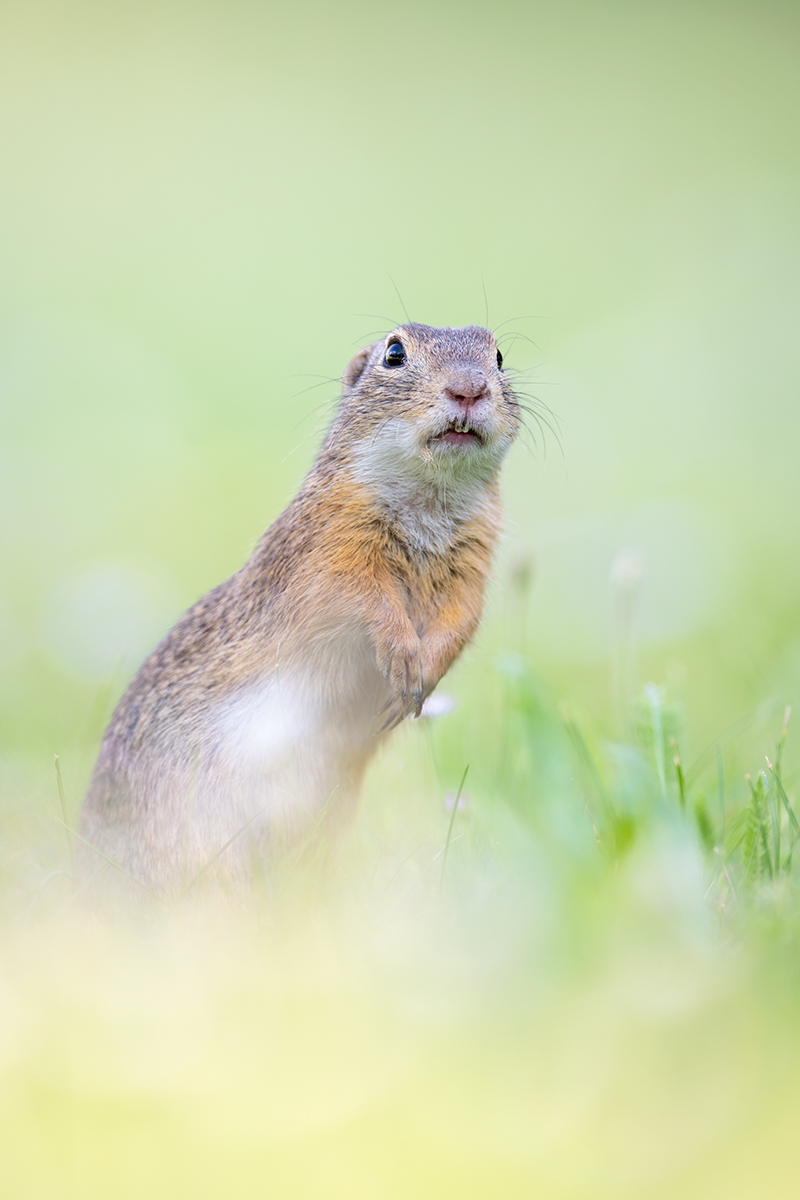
(435, 396)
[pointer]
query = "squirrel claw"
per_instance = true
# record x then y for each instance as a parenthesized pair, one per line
(399, 707)
(392, 720)
(400, 663)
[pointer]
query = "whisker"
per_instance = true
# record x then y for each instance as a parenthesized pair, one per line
(400, 298)
(528, 382)
(515, 336)
(534, 400)
(390, 321)
(327, 407)
(312, 387)
(374, 334)
(529, 317)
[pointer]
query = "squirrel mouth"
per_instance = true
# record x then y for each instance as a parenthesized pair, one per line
(457, 433)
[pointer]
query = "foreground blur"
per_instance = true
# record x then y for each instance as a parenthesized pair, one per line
(575, 982)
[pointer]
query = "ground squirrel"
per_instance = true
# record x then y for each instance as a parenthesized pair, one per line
(268, 698)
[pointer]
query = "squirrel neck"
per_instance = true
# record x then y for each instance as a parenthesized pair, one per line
(353, 501)
(423, 500)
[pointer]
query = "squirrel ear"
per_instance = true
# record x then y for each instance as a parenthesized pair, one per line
(355, 368)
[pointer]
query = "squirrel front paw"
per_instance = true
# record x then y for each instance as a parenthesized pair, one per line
(401, 665)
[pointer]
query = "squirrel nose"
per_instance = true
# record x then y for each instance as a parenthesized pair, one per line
(466, 386)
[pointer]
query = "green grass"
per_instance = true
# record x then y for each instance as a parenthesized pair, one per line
(580, 981)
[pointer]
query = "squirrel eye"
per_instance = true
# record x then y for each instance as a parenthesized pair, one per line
(395, 355)
(499, 360)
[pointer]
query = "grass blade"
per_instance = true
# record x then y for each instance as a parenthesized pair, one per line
(63, 799)
(450, 827)
(679, 775)
(115, 865)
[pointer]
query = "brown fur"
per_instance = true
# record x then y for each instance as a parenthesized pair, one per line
(268, 698)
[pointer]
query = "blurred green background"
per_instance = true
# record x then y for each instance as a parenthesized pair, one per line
(206, 209)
